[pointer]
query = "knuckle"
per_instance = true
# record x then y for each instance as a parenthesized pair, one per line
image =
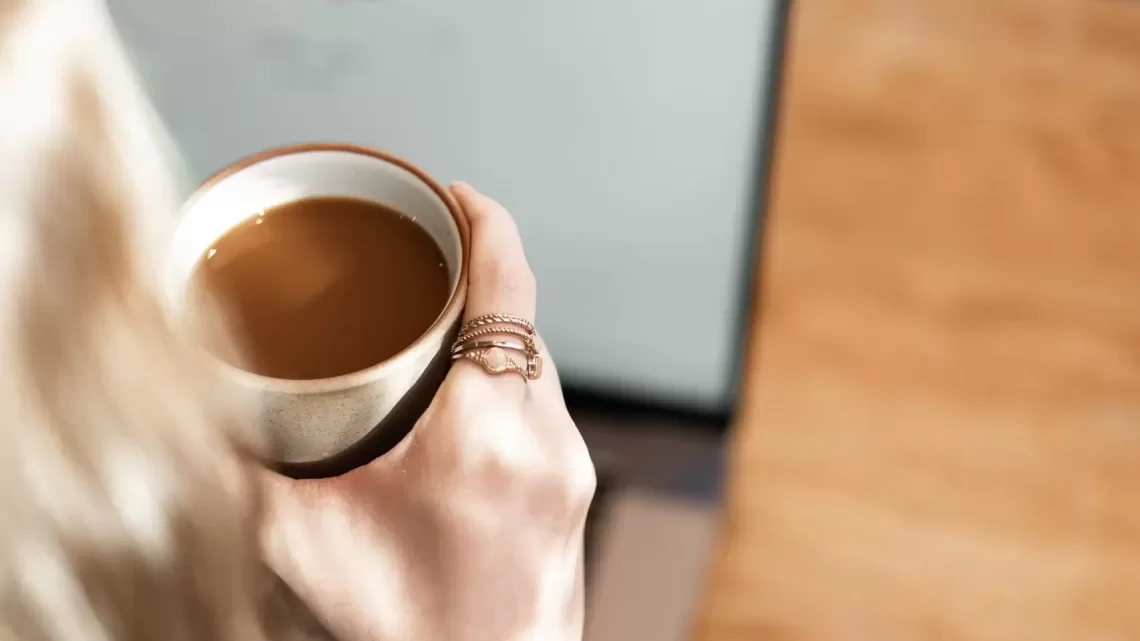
(500, 459)
(581, 482)
(585, 481)
(494, 473)
(580, 473)
(561, 500)
(467, 396)
(564, 493)
(494, 460)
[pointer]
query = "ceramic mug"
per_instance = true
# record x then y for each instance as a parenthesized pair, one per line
(328, 426)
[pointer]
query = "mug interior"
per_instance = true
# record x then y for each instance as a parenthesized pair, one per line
(227, 201)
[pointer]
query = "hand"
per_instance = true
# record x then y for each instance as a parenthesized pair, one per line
(471, 529)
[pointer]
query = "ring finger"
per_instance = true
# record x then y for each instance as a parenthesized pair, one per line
(500, 283)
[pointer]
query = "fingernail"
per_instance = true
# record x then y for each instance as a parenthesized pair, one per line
(459, 185)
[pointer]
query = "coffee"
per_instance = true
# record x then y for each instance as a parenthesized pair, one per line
(325, 286)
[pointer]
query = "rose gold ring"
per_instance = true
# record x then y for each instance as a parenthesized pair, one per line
(497, 319)
(498, 360)
(497, 356)
(528, 338)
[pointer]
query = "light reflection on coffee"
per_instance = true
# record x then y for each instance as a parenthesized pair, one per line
(325, 286)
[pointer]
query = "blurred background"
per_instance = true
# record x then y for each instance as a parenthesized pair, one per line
(921, 390)
(627, 139)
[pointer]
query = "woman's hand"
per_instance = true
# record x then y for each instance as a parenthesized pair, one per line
(471, 529)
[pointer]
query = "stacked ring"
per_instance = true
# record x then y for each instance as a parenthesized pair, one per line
(495, 356)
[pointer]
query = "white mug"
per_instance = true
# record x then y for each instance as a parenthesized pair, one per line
(327, 426)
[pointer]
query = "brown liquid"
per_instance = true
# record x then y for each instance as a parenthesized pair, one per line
(325, 286)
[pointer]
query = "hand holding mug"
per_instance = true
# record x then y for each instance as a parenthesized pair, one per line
(471, 528)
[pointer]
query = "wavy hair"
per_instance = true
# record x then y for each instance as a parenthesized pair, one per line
(124, 511)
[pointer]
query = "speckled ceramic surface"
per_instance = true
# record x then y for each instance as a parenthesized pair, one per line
(330, 425)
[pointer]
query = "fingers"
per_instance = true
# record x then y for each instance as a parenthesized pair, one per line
(500, 280)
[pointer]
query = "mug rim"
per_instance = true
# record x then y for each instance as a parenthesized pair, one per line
(452, 310)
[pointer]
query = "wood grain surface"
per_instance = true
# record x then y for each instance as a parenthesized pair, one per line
(940, 430)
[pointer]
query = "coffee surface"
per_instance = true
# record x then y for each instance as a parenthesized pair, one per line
(325, 286)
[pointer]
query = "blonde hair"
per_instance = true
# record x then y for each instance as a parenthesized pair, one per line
(125, 512)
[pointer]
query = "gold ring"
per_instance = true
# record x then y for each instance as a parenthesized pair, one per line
(494, 356)
(496, 360)
(527, 337)
(467, 346)
(497, 319)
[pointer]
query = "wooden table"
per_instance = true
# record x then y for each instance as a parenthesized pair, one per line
(939, 436)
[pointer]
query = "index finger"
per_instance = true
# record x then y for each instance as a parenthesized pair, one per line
(500, 279)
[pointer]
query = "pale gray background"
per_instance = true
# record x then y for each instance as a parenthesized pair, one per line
(621, 133)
